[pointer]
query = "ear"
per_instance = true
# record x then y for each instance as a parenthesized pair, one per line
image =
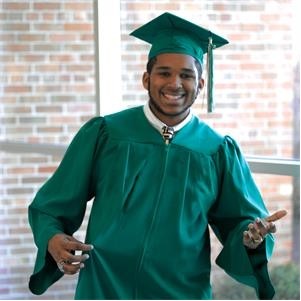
(201, 84)
(200, 87)
(145, 80)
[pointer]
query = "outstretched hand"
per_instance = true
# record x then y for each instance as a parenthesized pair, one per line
(62, 248)
(257, 230)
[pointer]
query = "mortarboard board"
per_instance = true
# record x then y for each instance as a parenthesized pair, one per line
(171, 34)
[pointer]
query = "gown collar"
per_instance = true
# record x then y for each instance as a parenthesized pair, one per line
(158, 124)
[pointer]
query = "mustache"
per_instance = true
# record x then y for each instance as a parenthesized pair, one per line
(173, 90)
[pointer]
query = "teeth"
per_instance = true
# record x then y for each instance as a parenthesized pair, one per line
(172, 97)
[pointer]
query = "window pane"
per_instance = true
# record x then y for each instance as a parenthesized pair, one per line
(256, 76)
(47, 69)
(279, 192)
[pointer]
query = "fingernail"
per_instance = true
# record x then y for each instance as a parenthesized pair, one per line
(91, 247)
(86, 256)
(257, 220)
(81, 266)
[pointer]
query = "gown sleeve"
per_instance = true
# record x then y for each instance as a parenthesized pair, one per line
(238, 204)
(59, 206)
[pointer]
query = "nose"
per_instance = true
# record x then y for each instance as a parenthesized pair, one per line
(175, 82)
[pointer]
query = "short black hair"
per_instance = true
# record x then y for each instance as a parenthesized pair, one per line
(150, 64)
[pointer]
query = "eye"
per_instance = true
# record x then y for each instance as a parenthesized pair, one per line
(187, 76)
(164, 74)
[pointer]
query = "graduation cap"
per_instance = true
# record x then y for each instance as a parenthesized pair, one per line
(171, 34)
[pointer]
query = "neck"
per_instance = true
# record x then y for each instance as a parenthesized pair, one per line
(158, 123)
(168, 119)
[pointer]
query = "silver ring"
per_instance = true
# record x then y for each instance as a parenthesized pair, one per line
(60, 265)
(258, 240)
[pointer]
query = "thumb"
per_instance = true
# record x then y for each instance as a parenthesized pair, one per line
(76, 244)
(276, 216)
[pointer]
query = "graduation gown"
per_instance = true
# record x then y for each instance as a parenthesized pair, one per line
(152, 206)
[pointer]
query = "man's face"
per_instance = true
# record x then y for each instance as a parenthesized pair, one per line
(173, 86)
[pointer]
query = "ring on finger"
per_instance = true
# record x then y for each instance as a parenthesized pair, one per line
(258, 240)
(60, 265)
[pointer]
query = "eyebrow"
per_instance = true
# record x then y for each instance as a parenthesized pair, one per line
(164, 68)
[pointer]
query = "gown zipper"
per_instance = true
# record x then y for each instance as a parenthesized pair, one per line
(155, 212)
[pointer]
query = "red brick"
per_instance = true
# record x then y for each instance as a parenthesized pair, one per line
(63, 119)
(20, 230)
(49, 109)
(81, 68)
(47, 6)
(49, 88)
(16, 27)
(34, 57)
(6, 58)
(20, 170)
(82, 88)
(47, 169)
(138, 6)
(31, 37)
(78, 27)
(81, 6)
(32, 16)
(87, 37)
(6, 37)
(47, 68)
(17, 89)
(17, 79)
(16, 48)
(61, 58)
(48, 17)
(49, 129)
(63, 37)
(17, 68)
(6, 5)
(19, 131)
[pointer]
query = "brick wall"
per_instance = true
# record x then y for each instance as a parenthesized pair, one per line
(47, 92)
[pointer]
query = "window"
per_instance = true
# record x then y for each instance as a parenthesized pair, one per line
(52, 82)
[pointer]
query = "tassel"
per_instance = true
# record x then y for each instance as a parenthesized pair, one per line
(210, 103)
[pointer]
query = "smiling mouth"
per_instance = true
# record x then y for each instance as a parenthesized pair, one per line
(173, 97)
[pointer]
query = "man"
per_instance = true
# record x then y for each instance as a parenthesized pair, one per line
(159, 176)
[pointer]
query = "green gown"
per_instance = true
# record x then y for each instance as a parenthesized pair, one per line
(152, 206)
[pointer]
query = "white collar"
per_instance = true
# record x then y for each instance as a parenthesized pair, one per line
(158, 124)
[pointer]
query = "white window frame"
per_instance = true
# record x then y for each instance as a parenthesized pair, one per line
(257, 165)
(107, 56)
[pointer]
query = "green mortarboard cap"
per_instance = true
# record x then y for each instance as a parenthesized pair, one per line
(171, 34)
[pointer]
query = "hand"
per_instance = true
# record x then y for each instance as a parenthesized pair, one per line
(257, 230)
(62, 248)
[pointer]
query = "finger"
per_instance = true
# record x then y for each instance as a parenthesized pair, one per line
(276, 216)
(254, 233)
(71, 269)
(246, 236)
(272, 228)
(262, 226)
(71, 243)
(74, 259)
(249, 241)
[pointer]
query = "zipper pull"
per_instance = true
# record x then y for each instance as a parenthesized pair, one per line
(167, 133)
